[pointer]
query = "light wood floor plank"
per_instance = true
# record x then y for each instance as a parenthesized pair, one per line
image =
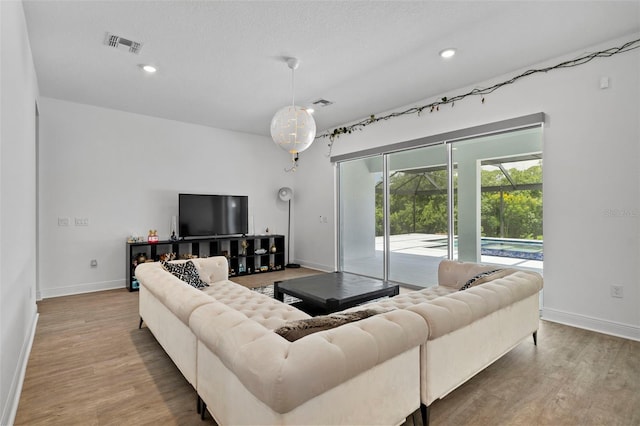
(91, 365)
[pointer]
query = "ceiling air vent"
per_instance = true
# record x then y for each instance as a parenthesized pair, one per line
(122, 43)
(322, 103)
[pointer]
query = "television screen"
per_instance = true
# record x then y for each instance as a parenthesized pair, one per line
(209, 215)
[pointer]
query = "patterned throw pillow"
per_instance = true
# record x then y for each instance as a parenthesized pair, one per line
(187, 272)
(294, 330)
(474, 280)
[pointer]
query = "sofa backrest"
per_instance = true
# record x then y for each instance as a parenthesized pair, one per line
(456, 310)
(454, 274)
(179, 297)
(211, 269)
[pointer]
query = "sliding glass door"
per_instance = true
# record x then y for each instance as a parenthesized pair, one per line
(362, 247)
(475, 199)
(498, 204)
(418, 220)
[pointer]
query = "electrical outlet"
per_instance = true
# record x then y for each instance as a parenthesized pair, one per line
(94, 263)
(82, 221)
(617, 291)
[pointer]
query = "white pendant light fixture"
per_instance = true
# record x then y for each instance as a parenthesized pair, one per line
(293, 127)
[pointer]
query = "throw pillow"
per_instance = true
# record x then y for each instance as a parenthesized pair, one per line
(479, 279)
(294, 330)
(187, 272)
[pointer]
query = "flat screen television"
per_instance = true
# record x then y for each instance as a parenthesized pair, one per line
(202, 215)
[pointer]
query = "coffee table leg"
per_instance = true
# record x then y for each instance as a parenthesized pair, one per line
(333, 305)
(277, 294)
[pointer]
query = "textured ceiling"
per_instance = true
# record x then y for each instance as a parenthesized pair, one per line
(221, 62)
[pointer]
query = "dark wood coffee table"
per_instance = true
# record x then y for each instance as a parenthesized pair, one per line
(334, 291)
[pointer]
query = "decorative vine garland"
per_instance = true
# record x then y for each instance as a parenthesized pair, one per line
(435, 106)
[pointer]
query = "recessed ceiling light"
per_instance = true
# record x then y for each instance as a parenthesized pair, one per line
(448, 53)
(149, 68)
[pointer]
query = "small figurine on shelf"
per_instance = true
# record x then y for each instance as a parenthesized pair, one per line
(173, 237)
(244, 244)
(166, 257)
(140, 258)
(273, 249)
(153, 236)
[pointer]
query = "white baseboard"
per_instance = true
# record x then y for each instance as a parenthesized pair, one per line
(594, 324)
(8, 416)
(318, 267)
(81, 288)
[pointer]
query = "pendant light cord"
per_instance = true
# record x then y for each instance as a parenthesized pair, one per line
(293, 89)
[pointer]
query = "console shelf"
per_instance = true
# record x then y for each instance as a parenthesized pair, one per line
(241, 261)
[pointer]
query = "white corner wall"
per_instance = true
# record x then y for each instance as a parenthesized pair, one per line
(313, 237)
(591, 180)
(18, 312)
(123, 173)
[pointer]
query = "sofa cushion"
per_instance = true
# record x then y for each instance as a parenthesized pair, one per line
(410, 298)
(269, 312)
(294, 330)
(186, 272)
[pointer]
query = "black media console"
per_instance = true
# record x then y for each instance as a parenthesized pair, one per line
(242, 260)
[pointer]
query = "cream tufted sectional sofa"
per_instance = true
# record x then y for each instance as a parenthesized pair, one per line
(374, 371)
(222, 340)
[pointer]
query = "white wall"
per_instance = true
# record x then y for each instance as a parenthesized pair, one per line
(313, 198)
(18, 312)
(123, 172)
(591, 180)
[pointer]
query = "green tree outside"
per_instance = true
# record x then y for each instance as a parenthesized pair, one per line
(419, 203)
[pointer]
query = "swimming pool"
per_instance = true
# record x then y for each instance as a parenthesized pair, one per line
(519, 249)
(501, 247)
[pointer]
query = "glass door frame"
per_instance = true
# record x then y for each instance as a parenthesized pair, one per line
(510, 125)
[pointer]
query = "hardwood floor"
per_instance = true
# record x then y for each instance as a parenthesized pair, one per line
(573, 377)
(91, 365)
